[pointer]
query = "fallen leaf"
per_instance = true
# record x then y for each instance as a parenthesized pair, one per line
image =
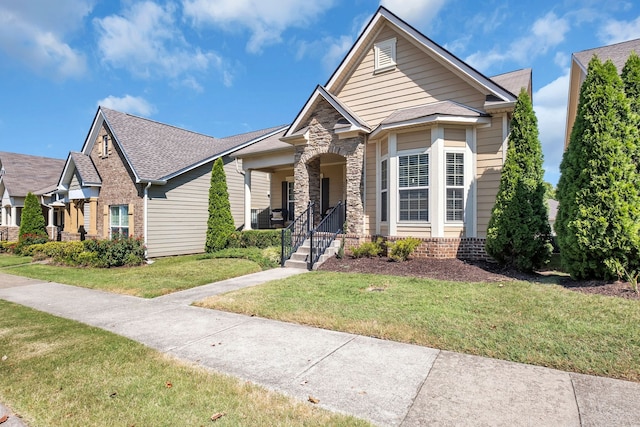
(313, 399)
(304, 382)
(4, 357)
(169, 385)
(3, 418)
(114, 394)
(218, 415)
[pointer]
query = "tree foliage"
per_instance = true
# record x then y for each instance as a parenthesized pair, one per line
(519, 234)
(598, 217)
(631, 80)
(220, 224)
(32, 224)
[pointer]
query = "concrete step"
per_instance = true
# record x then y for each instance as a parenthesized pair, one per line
(291, 263)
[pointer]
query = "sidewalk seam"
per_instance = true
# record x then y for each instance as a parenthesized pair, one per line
(575, 397)
(206, 337)
(324, 357)
(422, 384)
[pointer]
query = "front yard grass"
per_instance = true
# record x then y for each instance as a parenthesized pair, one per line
(164, 276)
(540, 324)
(60, 372)
(7, 260)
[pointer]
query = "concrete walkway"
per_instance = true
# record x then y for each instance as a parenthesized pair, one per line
(388, 383)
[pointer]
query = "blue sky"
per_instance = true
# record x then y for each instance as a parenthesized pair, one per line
(222, 67)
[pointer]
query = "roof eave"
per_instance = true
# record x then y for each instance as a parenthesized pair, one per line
(433, 119)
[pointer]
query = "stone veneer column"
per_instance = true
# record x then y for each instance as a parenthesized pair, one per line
(301, 179)
(313, 171)
(355, 208)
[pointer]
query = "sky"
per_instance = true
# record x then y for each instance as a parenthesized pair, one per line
(224, 67)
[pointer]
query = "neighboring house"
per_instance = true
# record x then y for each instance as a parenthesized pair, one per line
(553, 213)
(19, 175)
(137, 177)
(618, 53)
(408, 135)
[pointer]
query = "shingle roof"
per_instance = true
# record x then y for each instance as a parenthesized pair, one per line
(514, 81)
(271, 143)
(447, 108)
(86, 169)
(157, 151)
(25, 173)
(617, 53)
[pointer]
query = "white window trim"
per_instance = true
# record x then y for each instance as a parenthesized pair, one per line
(384, 46)
(396, 178)
(119, 226)
(464, 187)
(380, 190)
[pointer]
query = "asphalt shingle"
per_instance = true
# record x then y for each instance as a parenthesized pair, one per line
(25, 173)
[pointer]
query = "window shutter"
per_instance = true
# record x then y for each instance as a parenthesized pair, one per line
(105, 222)
(284, 200)
(131, 217)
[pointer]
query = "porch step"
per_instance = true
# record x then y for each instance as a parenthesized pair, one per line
(300, 258)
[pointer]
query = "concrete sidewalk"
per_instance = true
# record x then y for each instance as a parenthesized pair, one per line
(388, 383)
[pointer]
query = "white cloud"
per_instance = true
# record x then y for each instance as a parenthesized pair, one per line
(128, 104)
(266, 20)
(33, 32)
(415, 11)
(618, 31)
(146, 41)
(550, 105)
(546, 32)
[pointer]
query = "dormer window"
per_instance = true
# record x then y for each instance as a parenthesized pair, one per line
(105, 146)
(385, 55)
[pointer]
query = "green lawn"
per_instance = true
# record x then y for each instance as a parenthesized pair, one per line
(7, 260)
(541, 324)
(60, 372)
(164, 276)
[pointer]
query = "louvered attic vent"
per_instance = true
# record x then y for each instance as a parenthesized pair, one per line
(385, 55)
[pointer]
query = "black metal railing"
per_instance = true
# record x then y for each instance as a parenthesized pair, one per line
(294, 235)
(325, 233)
(4, 235)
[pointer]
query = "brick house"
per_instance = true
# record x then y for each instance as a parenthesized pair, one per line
(408, 136)
(19, 175)
(141, 178)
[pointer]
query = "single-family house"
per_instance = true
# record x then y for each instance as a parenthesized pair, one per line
(408, 136)
(618, 53)
(141, 178)
(19, 175)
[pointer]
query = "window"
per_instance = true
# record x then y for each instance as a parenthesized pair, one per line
(455, 186)
(105, 145)
(290, 201)
(384, 190)
(413, 182)
(385, 55)
(119, 221)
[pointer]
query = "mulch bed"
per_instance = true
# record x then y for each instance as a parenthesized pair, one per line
(465, 271)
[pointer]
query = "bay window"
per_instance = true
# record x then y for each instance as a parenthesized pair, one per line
(413, 184)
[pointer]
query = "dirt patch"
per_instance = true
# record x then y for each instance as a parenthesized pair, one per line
(466, 271)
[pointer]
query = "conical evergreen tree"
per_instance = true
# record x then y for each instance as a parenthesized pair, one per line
(32, 224)
(519, 234)
(220, 224)
(631, 79)
(599, 218)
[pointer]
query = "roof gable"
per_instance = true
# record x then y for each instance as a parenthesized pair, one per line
(157, 152)
(384, 17)
(353, 122)
(25, 173)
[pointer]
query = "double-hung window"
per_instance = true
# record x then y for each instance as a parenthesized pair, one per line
(455, 186)
(119, 221)
(384, 190)
(413, 184)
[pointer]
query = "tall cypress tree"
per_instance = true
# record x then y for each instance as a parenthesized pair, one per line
(32, 224)
(631, 79)
(220, 224)
(519, 234)
(599, 189)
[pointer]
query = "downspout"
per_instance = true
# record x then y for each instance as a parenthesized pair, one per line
(146, 217)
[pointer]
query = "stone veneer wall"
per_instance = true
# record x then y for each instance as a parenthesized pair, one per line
(10, 233)
(468, 248)
(323, 140)
(118, 186)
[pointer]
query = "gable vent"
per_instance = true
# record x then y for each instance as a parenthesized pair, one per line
(385, 55)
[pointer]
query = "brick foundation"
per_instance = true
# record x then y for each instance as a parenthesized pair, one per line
(467, 248)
